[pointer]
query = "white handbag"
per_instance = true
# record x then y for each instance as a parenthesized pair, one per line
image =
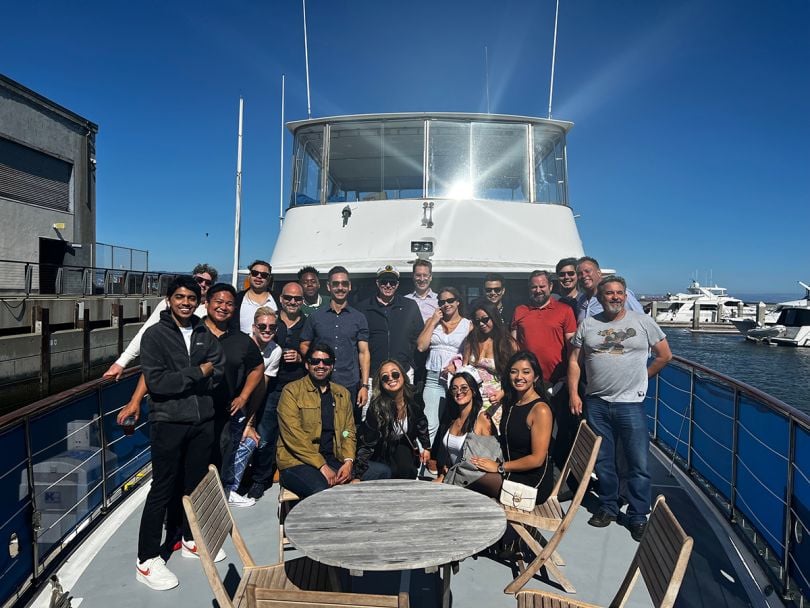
(518, 495)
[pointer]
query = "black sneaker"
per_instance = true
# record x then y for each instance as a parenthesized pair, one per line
(256, 490)
(601, 519)
(637, 530)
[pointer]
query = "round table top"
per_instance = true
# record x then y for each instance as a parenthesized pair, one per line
(394, 525)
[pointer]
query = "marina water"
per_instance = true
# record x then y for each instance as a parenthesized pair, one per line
(780, 371)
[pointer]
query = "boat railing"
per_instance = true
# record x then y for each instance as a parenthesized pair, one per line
(19, 278)
(750, 453)
(66, 463)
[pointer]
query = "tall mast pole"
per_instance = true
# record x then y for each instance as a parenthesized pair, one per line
(486, 69)
(553, 59)
(281, 171)
(237, 220)
(306, 57)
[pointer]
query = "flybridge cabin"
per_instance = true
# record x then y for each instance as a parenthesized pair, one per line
(474, 193)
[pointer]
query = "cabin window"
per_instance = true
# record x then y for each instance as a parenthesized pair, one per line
(549, 165)
(308, 158)
(500, 161)
(375, 160)
(449, 160)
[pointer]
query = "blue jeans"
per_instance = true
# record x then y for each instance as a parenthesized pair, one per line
(305, 480)
(623, 424)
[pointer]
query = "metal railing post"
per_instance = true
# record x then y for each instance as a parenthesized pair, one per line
(32, 493)
(784, 575)
(655, 424)
(103, 437)
(734, 448)
(691, 419)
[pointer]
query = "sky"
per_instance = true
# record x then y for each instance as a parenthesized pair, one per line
(689, 155)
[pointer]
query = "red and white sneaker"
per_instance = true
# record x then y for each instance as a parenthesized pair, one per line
(189, 548)
(154, 573)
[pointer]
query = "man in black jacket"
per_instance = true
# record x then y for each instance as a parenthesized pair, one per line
(394, 323)
(182, 362)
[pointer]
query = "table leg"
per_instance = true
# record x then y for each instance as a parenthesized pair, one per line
(446, 573)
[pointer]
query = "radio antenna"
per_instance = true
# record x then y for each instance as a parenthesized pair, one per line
(486, 73)
(306, 57)
(553, 59)
(281, 171)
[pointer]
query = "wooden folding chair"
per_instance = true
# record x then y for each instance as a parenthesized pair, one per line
(211, 522)
(259, 597)
(286, 501)
(550, 515)
(661, 558)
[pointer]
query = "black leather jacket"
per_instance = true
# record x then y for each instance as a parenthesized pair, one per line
(369, 438)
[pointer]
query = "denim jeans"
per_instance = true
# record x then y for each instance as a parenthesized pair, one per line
(305, 480)
(433, 396)
(625, 425)
(234, 469)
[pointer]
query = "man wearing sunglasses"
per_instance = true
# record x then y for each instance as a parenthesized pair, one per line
(205, 276)
(291, 367)
(345, 330)
(254, 297)
(589, 275)
(565, 286)
(394, 322)
(311, 285)
(317, 440)
(495, 292)
(544, 327)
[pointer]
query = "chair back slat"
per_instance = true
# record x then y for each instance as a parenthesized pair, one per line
(661, 558)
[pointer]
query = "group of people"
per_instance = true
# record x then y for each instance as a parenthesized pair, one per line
(331, 390)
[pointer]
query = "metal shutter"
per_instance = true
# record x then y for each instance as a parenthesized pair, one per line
(30, 176)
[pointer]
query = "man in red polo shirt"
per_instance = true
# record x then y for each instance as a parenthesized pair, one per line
(544, 326)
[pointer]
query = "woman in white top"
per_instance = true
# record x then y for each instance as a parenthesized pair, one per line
(464, 414)
(443, 334)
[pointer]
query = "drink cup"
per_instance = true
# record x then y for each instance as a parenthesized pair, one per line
(128, 425)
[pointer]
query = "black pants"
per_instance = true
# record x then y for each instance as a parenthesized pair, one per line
(180, 454)
(566, 423)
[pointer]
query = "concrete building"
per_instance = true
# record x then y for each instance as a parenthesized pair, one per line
(47, 187)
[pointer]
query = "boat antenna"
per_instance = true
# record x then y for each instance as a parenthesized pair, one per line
(306, 57)
(486, 73)
(553, 59)
(281, 172)
(236, 222)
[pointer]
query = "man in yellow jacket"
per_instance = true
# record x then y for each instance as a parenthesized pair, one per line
(317, 438)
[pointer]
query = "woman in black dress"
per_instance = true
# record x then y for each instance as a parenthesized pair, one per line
(395, 426)
(525, 432)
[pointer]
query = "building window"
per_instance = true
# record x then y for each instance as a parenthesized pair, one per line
(30, 176)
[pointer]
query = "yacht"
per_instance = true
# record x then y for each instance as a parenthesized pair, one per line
(716, 306)
(787, 324)
(454, 188)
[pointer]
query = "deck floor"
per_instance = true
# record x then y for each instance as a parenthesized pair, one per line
(596, 562)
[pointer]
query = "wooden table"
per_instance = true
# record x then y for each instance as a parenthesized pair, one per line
(395, 525)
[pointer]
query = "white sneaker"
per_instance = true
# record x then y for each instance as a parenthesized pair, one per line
(154, 573)
(189, 549)
(237, 500)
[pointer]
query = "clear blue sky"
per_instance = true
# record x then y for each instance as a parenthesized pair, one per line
(689, 151)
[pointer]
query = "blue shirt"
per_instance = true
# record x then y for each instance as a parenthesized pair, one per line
(590, 307)
(342, 331)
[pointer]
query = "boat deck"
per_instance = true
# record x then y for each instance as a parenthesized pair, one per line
(101, 572)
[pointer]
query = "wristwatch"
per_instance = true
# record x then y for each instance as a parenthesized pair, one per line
(501, 470)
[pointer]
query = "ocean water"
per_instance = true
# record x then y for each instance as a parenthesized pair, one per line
(782, 372)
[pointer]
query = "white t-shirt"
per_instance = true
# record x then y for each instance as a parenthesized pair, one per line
(248, 310)
(272, 359)
(186, 331)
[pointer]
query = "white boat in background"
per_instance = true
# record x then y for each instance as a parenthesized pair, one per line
(716, 306)
(787, 324)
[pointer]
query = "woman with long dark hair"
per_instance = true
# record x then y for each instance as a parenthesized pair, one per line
(488, 348)
(525, 432)
(442, 335)
(463, 414)
(395, 426)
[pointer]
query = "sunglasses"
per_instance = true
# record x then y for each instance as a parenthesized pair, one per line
(395, 375)
(266, 327)
(483, 320)
(341, 284)
(328, 361)
(459, 390)
(493, 289)
(287, 298)
(259, 273)
(567, 273)
(202, 281)
(388, 282)
(448, 301)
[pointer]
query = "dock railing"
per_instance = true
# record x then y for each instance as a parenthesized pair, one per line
(65, 463)
(750, 453)
(35, 279)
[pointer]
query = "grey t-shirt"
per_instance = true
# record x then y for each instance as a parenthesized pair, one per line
(616, 353)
